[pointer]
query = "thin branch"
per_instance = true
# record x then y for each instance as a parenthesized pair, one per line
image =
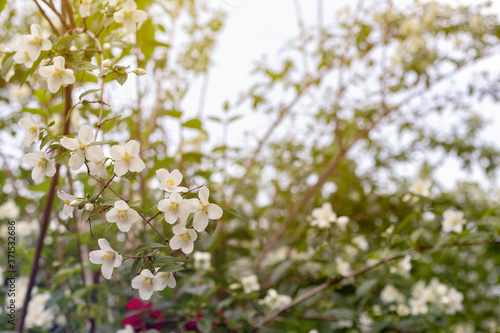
(265, 320)
(47, 18)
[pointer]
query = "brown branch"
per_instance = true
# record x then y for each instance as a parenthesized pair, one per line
(45, 221)
(265, 320)
(47, 18)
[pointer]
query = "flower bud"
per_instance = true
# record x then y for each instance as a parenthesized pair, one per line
(107, 63)
(75, 203)
(73, 48)
(139, 71)
(106, 46)
(89, 207)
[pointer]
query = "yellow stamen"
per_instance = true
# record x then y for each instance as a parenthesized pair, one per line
(36, 41)
(58, 73)
(32, 130)
(106, 257)
(147, 283)
(84, 3)
(184, 238)
(41, 164)
(122, 215)
(164, 276)
(97, 163)
(173, 206)
(202, 208)
(171, 182)
(129, 15)
(325, 216)
(127, 157)
(67, 202)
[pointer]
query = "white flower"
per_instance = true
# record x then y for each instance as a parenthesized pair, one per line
(9, 210)
(29, 46)
(85, 8)
(402, 310)
(453, 220)
(67, 199)
(389, 294)
(33, 129)
(107, 257)
(360, 242)
(98, 168)
(122, 215)
(202, 261)
(89, 207)
(453, 301)
(42, 164)
(183, 238)
(20, 93)
(167, 279)
(205, 211)
(126, 158)
(170, 180)
(342, 222)
(146, 282)
(175, 206)
(127, 329)
(250, 283)
(343, 267)
(275, 301)
(421, 187)
(418, 306)
(403, 267)
(57, 74)
(107, 63)
(82, 149)
(324, 216)
(129, 15)
(37, 314)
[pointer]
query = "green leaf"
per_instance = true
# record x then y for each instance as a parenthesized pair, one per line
(135, 266)
(256, 306)
(100, 143)
(44, 142)
(230, 210)
(88, 92)
(63, 158)
(193, 123)
(148, 246)
(170, 268)
(415, 235)
(66, 39)
(174, 113)
(2, 4)
(280, 271)
(121, 78)
(212, 225)
(6, 63)
(365, 288)
(164, 260)
(81, 65)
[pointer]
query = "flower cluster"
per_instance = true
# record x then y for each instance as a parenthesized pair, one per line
(274, 300)
(324, 217)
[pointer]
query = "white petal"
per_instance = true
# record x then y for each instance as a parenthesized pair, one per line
(31, 159)
(171, 216)
(37, 174)
(147, 273)
(123, 225)
(200, 221)
(130, 6)
(107, 269)
(76, 160)
(145, 293)
(118, 260)
(86, 135)
(203, 195)
(97, 257)
(59, 63)
(187, 247)
(121, 167)
(192, 234)
(50, 169)
(138, 282)
(46, 44)
(157, 285)
(68, 77)
(54, 83)
(70, 143)
(132, 215)
(121, 205)
(36, 30)
(26, 123)
(112, 216)
(175, 242)
(139, 16)
(132, 147)
(214, 212)
(163, 175)
(136, 164)
(119, 16)
(47, 71)
(117, 152)
(176, 176)
(104, 244)
(29, 139)
(179, 229)
(94, 154)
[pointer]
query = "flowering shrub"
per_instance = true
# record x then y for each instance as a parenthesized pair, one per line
(318, 228)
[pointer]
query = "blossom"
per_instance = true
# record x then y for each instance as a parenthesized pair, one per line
(360, 242)
(42, 164)
(343, 267)
(85, 8)
(205, 211)
(250, 283)
(167, 279)
(9, 210)
(175, 207)
(453, 301)
(33, 129)
(453, 220)
(126, 158)
(402, 310)
(129, 15)
(98, 168)
(67, 199)
(146, 282)
(122, 215)
(38, 315)
(324, 216)
(57, 74)
(275, 301)
(202, 261)
(421, 187)
(170, 180)
(183, 238)
(82, 149)
(107, 257)
(418, 306)
(29, 46)
(389, 294)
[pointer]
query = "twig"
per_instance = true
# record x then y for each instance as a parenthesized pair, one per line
(47, 18)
